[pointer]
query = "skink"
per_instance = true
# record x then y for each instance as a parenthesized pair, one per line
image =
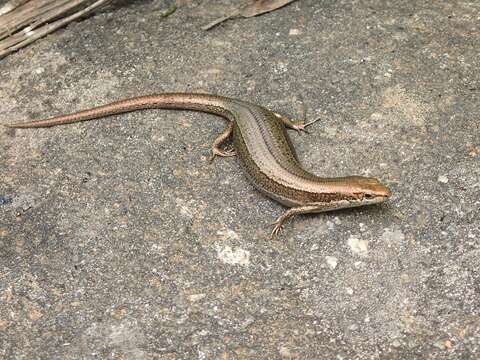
(263, 146)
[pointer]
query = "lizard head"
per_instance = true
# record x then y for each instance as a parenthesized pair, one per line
(368, 190)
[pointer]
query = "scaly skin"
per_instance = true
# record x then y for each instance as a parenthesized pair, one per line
(263, 147)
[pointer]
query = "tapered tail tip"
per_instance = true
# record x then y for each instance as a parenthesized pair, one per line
(16, 125)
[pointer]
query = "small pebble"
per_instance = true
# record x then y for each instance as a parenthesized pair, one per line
(332, 261)
(443, 179)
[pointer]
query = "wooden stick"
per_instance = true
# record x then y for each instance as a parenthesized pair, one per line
(31, 21)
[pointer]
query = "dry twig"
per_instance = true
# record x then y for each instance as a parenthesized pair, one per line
(23, 21)
(249, 9)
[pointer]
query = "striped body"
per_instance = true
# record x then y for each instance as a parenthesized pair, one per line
(263, 146)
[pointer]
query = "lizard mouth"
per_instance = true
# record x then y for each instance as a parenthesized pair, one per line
(378, 199)
(380, 192)
(374, 198)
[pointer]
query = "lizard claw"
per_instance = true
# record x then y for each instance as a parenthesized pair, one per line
(278, 227)
(219, 152)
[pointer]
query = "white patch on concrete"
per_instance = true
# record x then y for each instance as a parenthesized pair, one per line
(126, 337)
(233, 257)
(196, 297)
(443, 179)
(186, 209)
(228, 234)
(359, 247)
(393, 236)
(280, 67)
(359, 264)
(331, 261)
(294, 32)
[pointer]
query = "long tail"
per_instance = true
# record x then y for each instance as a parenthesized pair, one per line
(185, 101)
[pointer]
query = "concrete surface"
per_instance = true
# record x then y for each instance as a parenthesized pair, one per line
(118, 240)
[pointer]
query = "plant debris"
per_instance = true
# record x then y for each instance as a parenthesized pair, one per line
(250, 9)
(24, 21)
(170, 10)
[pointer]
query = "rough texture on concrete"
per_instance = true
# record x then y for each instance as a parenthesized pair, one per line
(119, 240)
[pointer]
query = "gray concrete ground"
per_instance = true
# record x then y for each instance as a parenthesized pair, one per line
(119, 240)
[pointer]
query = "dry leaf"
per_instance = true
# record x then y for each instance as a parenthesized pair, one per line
(258, 7)
(252, 8)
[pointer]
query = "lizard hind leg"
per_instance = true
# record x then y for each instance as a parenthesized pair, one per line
(217, 149)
